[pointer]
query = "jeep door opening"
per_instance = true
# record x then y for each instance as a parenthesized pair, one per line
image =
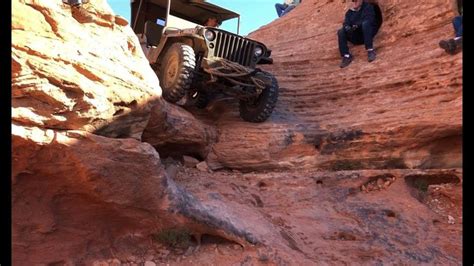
(198, 62)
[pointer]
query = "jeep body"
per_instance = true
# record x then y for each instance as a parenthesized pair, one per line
(199, 62)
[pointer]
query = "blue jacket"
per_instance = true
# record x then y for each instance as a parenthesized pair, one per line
(365, 13)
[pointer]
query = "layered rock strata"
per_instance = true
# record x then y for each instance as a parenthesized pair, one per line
(401, 111)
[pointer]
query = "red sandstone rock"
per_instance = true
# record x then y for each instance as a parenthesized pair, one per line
(173, 131)
(75, 193)
(189, 161)
(78, 193)
(79, 190)
(203, 167)
(79, 197)
(328, 220)
(402, 110)
(68, 75)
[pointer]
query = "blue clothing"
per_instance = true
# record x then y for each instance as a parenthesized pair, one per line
(283, 9)
(457, 24)
(280, 8)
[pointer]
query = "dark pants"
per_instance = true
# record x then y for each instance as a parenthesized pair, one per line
(280, 8)
(457, 24)
(362, 35)
(283, 9)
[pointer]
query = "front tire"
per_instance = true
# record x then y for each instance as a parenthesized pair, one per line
(177, 71)
(261, 108)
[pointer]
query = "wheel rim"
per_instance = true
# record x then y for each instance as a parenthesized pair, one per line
(171, 72)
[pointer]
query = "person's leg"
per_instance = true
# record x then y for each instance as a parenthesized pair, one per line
(453, 46)
(458, 41)
(457, 24)
(368, 34)
(279, 9)
(342, 39)
(288, 9)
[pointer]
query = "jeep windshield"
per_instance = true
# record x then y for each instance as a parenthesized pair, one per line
(177, 13)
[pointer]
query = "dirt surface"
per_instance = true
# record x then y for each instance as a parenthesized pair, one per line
(327, 218)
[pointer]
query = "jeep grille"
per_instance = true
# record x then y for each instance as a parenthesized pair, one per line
(234, 48)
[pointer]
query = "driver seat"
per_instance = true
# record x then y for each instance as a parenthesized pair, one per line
(153, 33)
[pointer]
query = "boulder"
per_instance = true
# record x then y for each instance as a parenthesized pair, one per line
(189, 161)
(203, 167)
(173, 131)
(68, 75)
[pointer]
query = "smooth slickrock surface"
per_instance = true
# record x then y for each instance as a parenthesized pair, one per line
(326, 218)
(402, 110)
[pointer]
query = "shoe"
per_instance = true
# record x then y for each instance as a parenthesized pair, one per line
(371, 55)
(346, 60)
(81, 15)
(448, 45)
(458, 43)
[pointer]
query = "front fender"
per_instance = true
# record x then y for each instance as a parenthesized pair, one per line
(153, 53)
(265, 61)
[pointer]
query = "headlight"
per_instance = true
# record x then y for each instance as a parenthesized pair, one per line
(209, 35)
(258, 51)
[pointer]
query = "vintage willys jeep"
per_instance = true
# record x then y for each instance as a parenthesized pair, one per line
(199, 62)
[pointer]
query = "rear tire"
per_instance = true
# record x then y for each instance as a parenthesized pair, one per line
(176, 71)
(261, 108)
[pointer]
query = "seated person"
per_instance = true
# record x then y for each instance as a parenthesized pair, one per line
(287, 6)
(454, 45)
(78, 12)
(359, 27)
(212, 22)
